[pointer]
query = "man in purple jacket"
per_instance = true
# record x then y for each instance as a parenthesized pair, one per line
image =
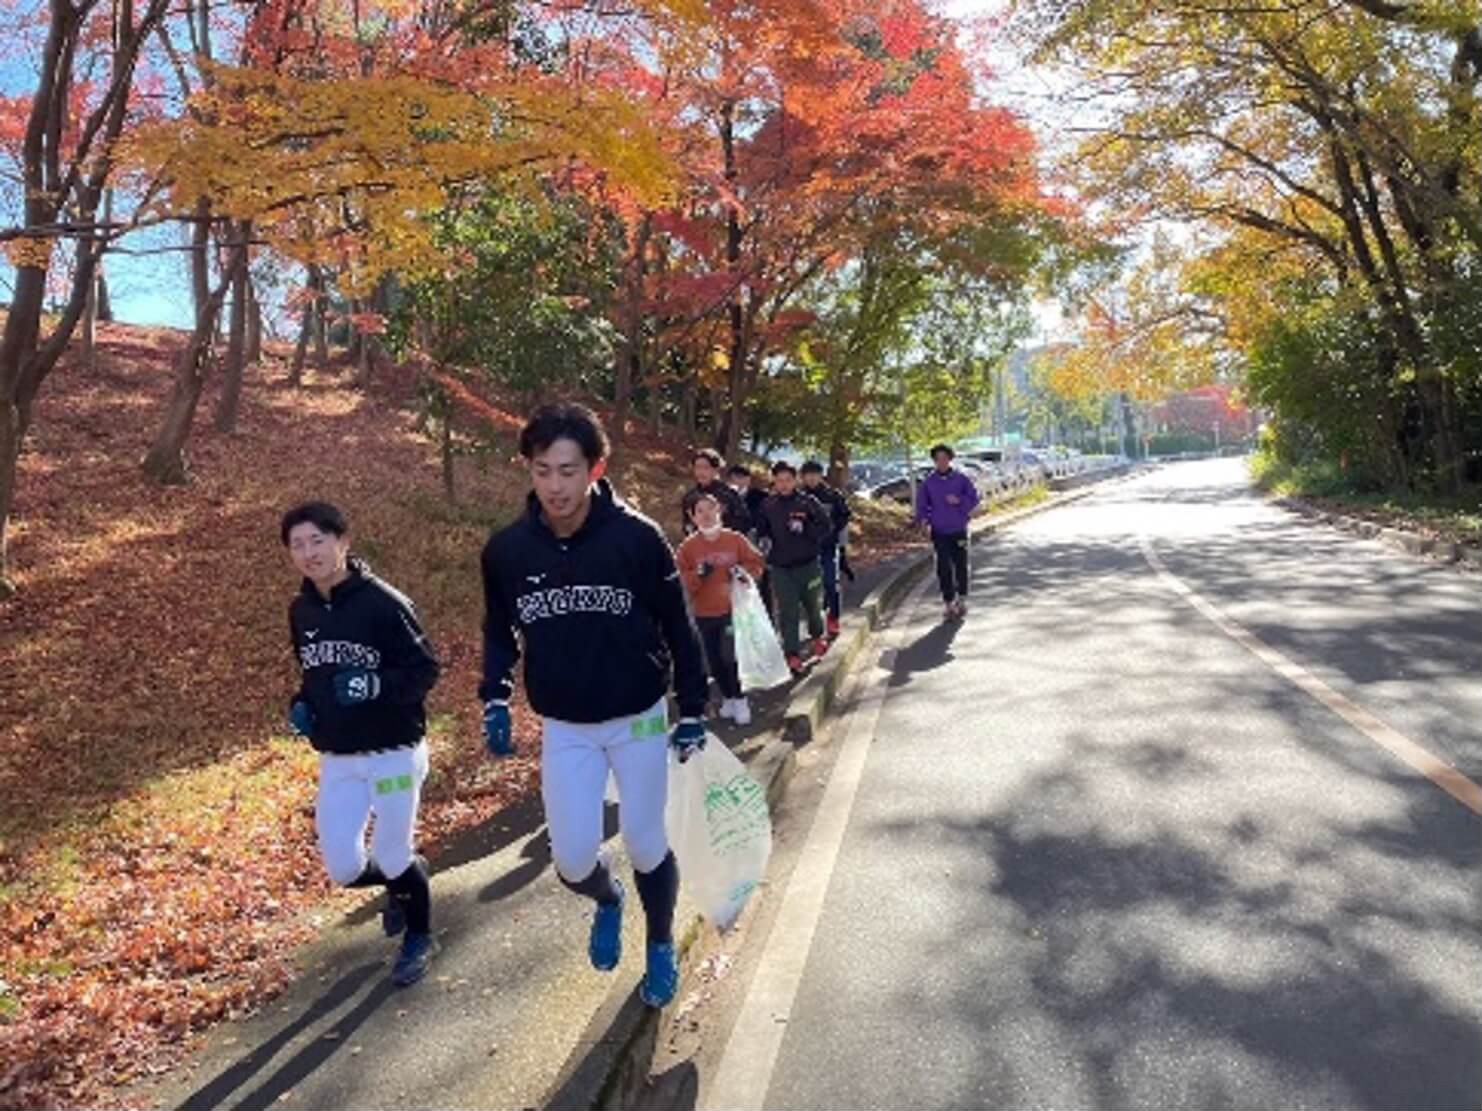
(944, 503)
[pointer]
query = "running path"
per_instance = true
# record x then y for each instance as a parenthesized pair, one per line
(1108, 844)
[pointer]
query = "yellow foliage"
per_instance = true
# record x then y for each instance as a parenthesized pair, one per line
(28, 251)
(343, 172)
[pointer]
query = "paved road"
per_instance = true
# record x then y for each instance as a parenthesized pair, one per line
(1100, 854)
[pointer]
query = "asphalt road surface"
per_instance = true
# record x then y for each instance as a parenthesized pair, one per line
(1182, 815)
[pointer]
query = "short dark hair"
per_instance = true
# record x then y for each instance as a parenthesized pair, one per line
(564, 420)
(739, 470)
(710, 455)
(943, 447)
(698, 498)
(320, 514)
(812, 466)
(783, 466)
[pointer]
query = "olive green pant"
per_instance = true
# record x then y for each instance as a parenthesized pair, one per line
(799, 587)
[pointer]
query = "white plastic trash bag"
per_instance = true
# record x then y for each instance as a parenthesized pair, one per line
(759, 658)
(719, 829)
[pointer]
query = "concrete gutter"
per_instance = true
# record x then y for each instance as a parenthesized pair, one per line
(623, 1033)
(1465, 557)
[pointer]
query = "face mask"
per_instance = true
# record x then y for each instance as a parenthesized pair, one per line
(710, 533)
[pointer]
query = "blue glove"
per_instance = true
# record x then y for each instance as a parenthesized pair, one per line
(687, 738)
(356, 685)
(498, 734)
(301, 718)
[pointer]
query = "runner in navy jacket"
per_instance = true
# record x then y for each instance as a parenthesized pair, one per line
(591, 589)
(366, 667)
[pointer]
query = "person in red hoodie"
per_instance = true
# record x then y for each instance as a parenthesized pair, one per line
(707, 562)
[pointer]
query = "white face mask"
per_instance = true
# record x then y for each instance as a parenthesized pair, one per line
(710, 533)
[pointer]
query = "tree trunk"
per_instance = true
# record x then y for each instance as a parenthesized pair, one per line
(236, 350)
(448, 487)
(200, 257)
(165, 462)
(90, 329)
(254, 324)
(301, 349)
(689, 403)
(321, 316)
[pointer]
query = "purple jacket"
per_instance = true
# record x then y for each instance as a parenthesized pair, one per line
(932, 505)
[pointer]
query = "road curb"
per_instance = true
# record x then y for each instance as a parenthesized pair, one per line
(623, 1033)
(1463, 557)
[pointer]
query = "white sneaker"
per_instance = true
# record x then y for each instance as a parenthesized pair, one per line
(961, 607)
(727, 709)
(741, 711)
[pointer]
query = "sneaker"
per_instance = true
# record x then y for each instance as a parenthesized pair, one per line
(605, 946)
(727, 709)
(962, 607)
(795, 663)
(820, 646)
(413, 959)
(742, 711)
(949, 611)
(832, 625)
(661, 980)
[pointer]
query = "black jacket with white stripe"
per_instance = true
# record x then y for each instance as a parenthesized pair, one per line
(601, 614)
(365, 623)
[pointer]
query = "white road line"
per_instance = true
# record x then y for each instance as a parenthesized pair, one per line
(746, 1066)
(1443, 775)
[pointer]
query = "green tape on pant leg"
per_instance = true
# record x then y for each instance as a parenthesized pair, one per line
(393, 783)
(652, 726)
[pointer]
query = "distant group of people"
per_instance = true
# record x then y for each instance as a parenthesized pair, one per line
(607, 619)
(791, 538)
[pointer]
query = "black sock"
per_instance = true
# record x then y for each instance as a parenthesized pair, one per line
(370, 876)
(414, 894)
(658, 890)
(598, 885)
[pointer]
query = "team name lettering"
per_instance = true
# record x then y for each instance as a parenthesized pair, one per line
(559, 601)
(338, 653)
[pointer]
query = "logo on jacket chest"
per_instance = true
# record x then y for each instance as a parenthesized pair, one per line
(559, 601)
(338, 653)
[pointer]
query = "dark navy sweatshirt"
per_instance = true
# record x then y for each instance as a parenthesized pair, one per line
(601, 614)
(364, 623)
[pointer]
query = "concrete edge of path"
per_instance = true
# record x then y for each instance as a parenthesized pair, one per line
(623, 1033)
(1463, 557)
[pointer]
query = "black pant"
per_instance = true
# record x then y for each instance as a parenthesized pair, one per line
(720, 653)
(951, 548)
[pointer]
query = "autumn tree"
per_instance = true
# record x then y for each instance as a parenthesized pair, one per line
(68, 154)
(1332, 146)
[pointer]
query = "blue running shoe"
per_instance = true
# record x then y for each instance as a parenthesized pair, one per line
(661, 980)
(605, 946)
(411, 963)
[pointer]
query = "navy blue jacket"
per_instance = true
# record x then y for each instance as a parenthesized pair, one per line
(365, 623)
(602, 616)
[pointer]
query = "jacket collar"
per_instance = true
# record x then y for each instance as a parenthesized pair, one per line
(359, 572)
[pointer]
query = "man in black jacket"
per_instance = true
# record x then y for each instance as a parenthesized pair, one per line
(828, 551)
(708, 468)
(797, 525)
(591, 589)
(738, 477)
(366, 669)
